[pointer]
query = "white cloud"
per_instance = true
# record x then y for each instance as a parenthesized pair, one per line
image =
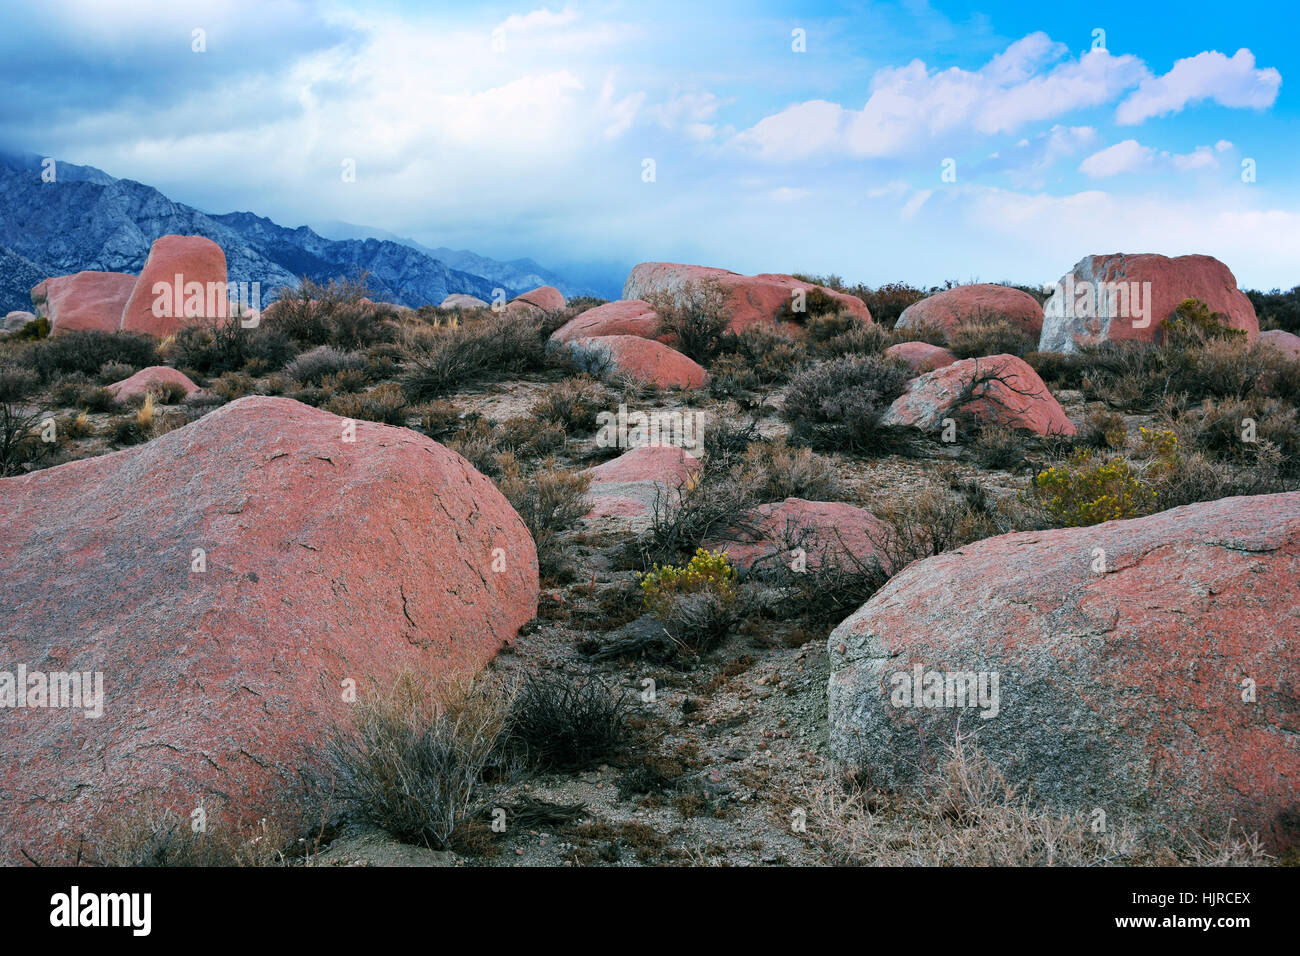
(1210, 75)
(1222, 146)
(1126, 157)
(912, 105)
(1200, 158)
(913, 205)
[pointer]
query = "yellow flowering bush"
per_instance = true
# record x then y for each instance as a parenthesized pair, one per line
(707, 570)
(1087, 490)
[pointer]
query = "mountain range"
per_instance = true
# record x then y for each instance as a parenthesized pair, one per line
(87, 219)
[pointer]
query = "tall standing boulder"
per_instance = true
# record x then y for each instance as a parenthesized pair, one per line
(1146, 668)
(750, 300)
(227, 580)
(183, 283)
(974, 304)
(1122, 297)
(84, 301)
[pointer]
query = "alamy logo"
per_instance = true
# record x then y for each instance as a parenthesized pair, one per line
(624, 429)
(56, 689)
(181, 299)
(74, 908)
(921, 688)
(1075, 299)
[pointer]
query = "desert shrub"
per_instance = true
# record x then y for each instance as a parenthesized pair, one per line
(232, 386)
(1086, 490)
(582, 303)
(384, 403)
(20, 423)
(731, 377)
(888, 301)
(1192, 324)
(1276, 309)
(999, 447)
(549, 501)
(1102, 429)
(347, 381)
(334, 313)
(706, 571)
(964, 814)
(990, 337)
(478, 441)
(816, 304)
(785, 472)
(939, 519)
(770, 353)
(531, 438)
(839, 403)
(88, 351)
(312, 366)
(697, 314)
(214, 348)
(136, 428)
(149, 837)
(858, 340)
(424, 761)
(822, 325)
(696, 622)
(440, 360)
(573, 404)
(930, 334)
(562, 724)
(1058, 370)
(1232, 429)
(38, 328)
(715, 499)
(76, 426)
(167, 393)
(112, 372)
(437, 419)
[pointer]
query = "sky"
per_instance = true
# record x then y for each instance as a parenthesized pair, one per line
(908, 141)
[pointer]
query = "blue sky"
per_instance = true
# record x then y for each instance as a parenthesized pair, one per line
(525, 129)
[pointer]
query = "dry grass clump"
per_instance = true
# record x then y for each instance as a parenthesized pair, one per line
(990, 337)
(311, 367)
(967, 814)
(424, 759)
(384, 403)
(573, 404)
(152, 837)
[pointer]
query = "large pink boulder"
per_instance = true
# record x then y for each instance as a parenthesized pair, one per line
(152, 379)
(973, 304)
(183, 283)
(630, 485)
(1123, 297)
(543, 299)
(85, 301)
(922, 356)
(1143, 668)
(763, 298)
(809, 533)
(1288, 342)
(643, 360)
(624, 317)
(995, 390)
(227, 579)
